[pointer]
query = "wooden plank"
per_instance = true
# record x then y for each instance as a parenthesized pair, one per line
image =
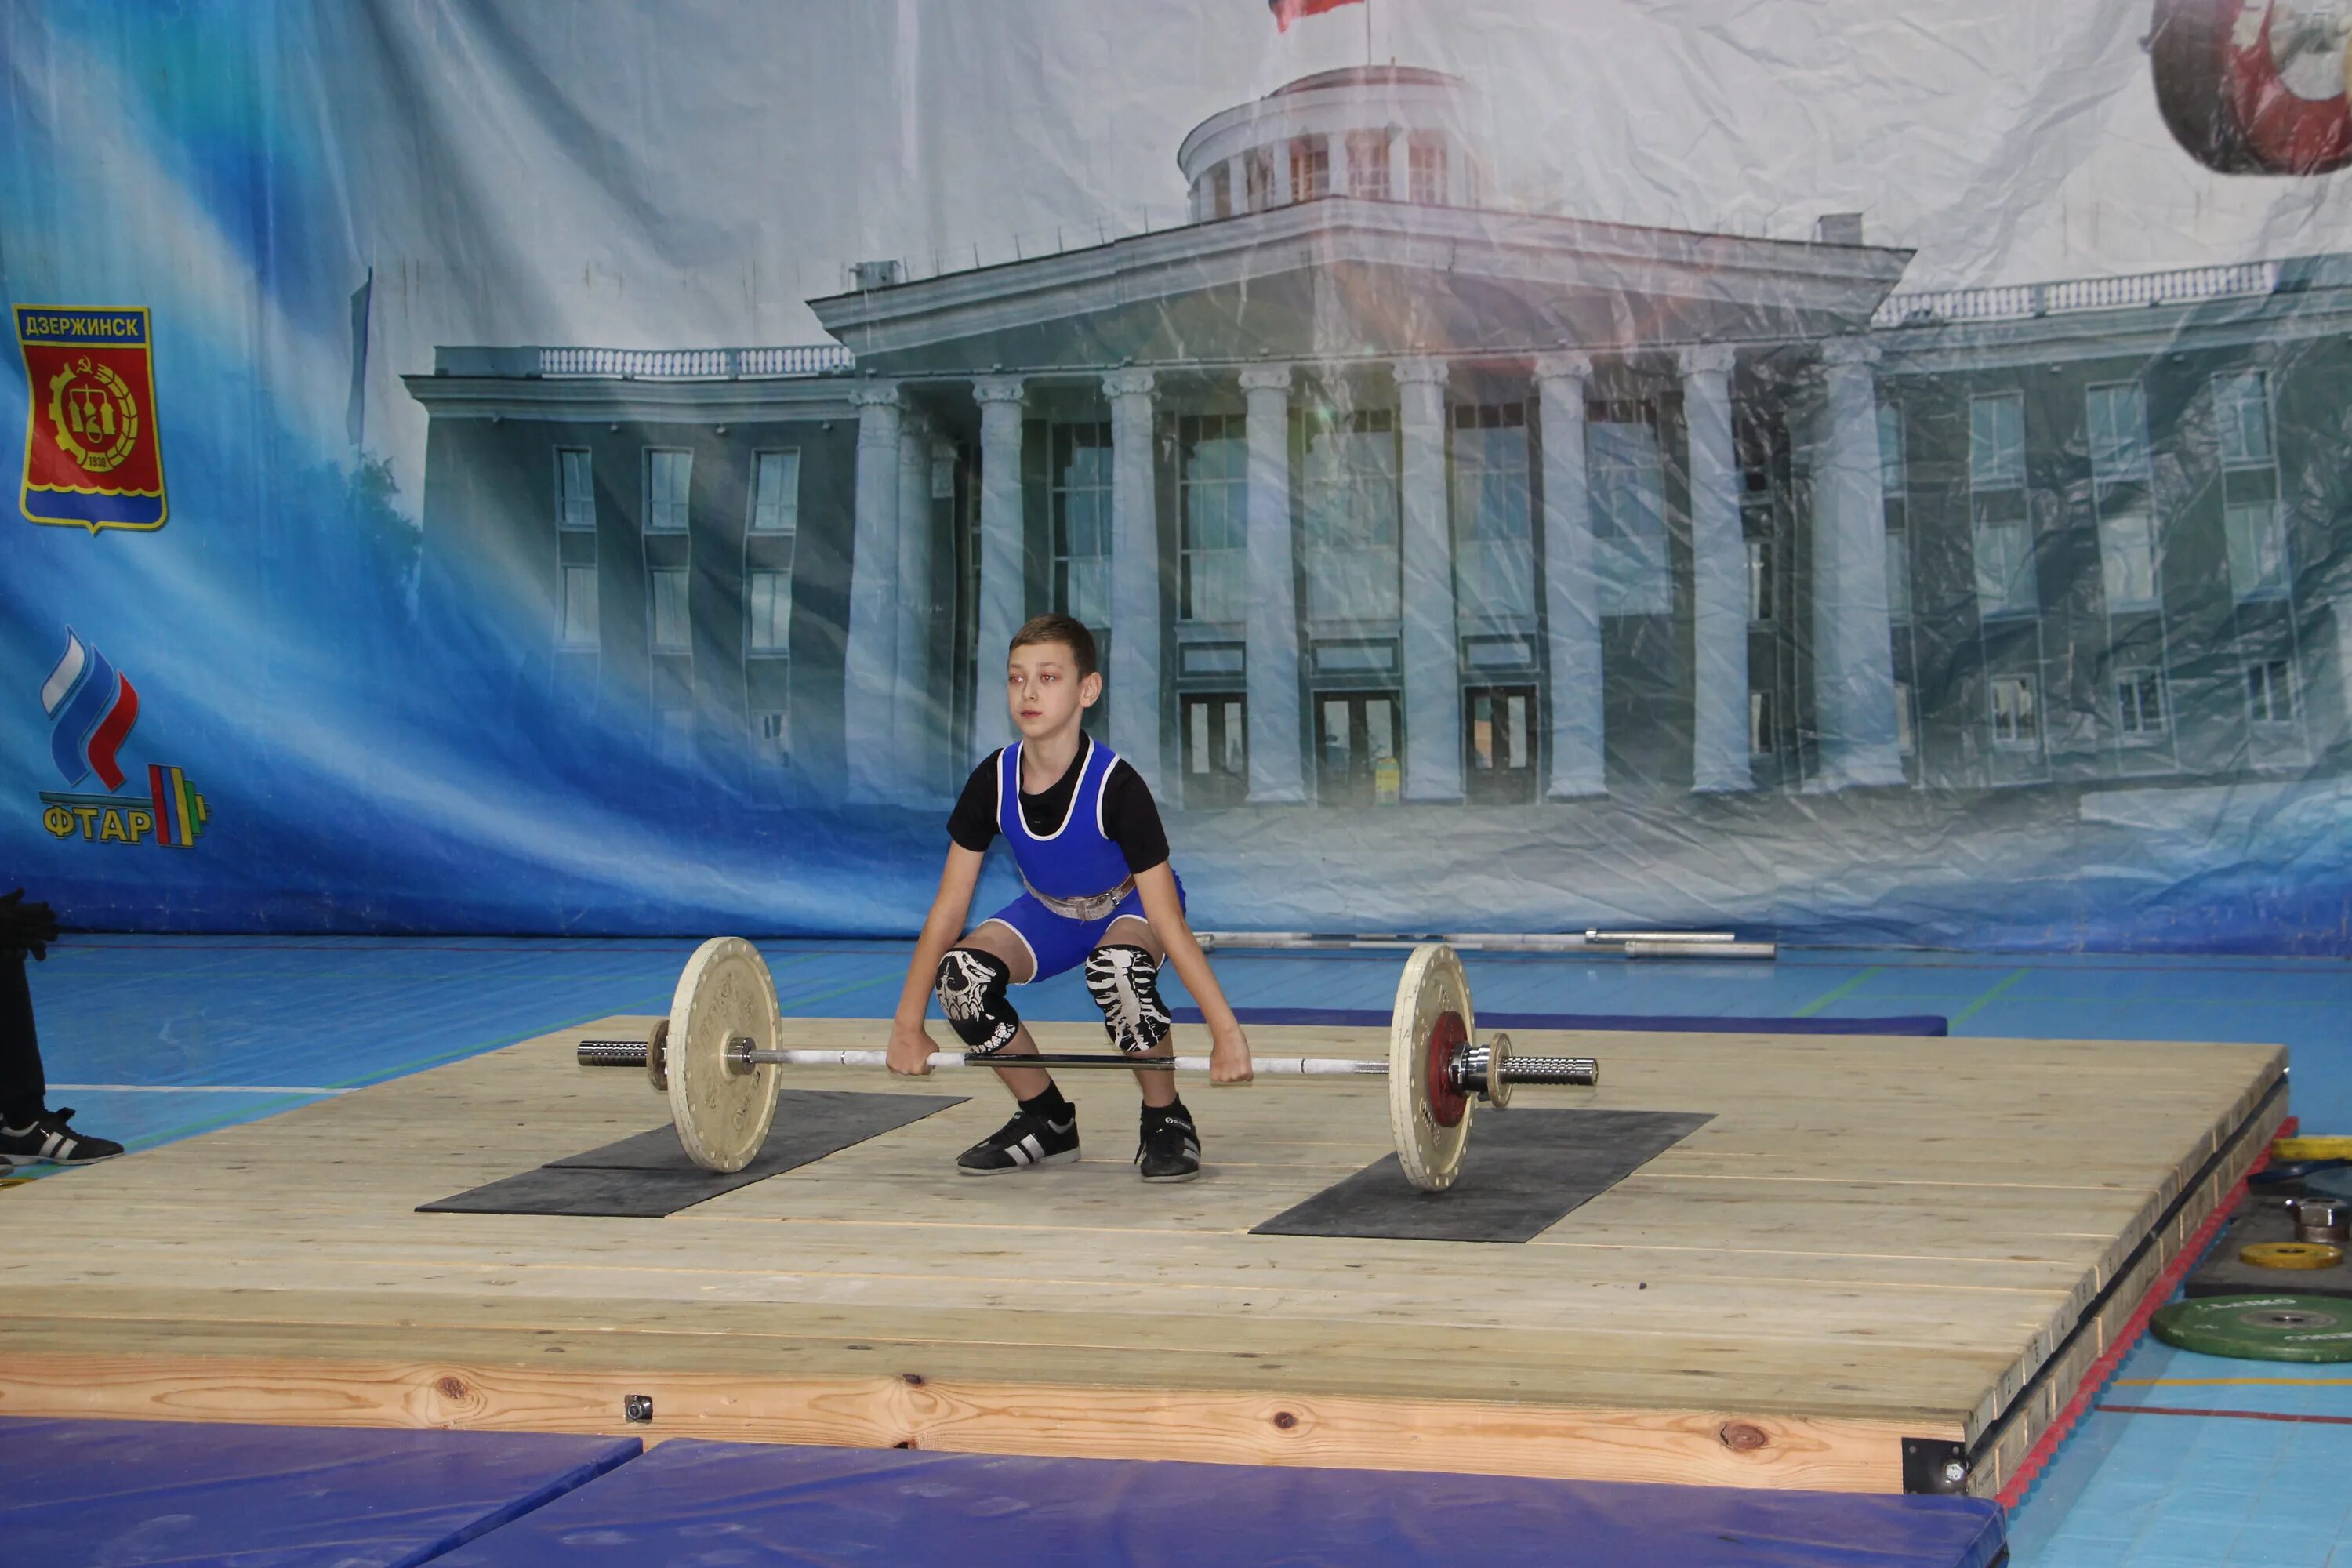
(1170, 1352)
(1690, 1447)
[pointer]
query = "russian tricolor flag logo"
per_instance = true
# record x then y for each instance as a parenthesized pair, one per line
(92, 708)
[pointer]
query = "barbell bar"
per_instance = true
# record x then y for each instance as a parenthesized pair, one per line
(1470, 1067)
(716, 1054)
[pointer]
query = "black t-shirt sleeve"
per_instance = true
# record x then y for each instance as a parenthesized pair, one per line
(973, 823)
(1131, 819)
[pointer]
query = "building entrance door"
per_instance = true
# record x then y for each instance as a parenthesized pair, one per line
(1358, 747)
(1498, 749)
(1216, 749)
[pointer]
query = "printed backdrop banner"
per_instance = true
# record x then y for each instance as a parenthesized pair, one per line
(1840, 468)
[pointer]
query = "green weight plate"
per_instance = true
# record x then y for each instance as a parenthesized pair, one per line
(2260, 1327)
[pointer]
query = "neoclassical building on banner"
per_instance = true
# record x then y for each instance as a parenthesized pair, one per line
(1372, 491)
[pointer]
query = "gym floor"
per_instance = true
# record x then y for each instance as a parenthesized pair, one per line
(2186, 1459)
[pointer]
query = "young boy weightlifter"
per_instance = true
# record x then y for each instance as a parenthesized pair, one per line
(1093, 859)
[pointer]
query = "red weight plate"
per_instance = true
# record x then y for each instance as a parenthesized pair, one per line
(1447, 1039)
(2253, 87)
(2283, 79)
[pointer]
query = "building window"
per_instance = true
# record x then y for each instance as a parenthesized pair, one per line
(579, 626)
(666, 477)
(775, 492)
(1081, 502)
(2118, 421)
(1629, 517)
(769, 600)
(1759, 723)
(1357, 748)
(1499, 743)
(2016, 713)
(1368, 165)
(1760, 582)
(1899, 575)
(1997, 441)
(1349, 496)
(575, 492)
(1893, 474)
(2241, 410)
(2129, 560)
(1220, 191)
(1310, 168)
(2140, 704)
(1906, 726)
(1216, 748)
(2005, 580)
(2258, 557)
(1493, 523)
(2270, 692)
(1425, 168)
(1257, 175)
(1212, 515)
(671, 624)
(771, 736)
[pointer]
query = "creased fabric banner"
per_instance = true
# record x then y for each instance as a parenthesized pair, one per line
(1845, 469)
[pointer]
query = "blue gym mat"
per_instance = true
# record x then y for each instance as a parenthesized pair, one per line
(127, 1493)
(693, 1503)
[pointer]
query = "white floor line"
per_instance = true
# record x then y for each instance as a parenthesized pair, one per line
(193, 1089)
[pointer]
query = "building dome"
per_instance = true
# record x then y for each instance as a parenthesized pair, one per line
(1391, 133)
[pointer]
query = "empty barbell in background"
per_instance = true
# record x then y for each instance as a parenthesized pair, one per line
(1693, 945)
(719, 1053)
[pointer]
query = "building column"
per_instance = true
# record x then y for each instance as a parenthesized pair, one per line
(1718, 576)
(1433, 660)
(1853, 645)
(1275, 773)
(1400, 167)
(1571, 588)
(870, 653)
(2342, 607)
(1001, 591)
(911, 704)
(1134, 695)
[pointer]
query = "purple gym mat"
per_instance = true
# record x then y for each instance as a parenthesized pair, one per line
(127, 1493)
(688, 1504)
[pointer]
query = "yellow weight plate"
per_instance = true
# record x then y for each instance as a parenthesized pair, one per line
(2312, 1149)
(722, 1112)
(1430, 1121)
(2291, 1254)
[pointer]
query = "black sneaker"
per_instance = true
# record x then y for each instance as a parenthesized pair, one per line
(1027, 1139)
(1169, 1150)
(47, 1140)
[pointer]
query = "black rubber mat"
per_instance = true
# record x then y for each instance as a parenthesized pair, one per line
(2262, 1218)
(647, 1177)
(1524, 1171)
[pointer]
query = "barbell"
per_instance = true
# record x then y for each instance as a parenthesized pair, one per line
(718, 1053)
